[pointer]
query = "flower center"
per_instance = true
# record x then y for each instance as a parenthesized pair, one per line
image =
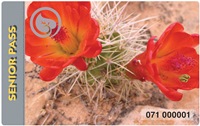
(66, 39)
(61, 35)
(180, 62)
(184, 78)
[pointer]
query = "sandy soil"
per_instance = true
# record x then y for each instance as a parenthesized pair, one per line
(58, 107)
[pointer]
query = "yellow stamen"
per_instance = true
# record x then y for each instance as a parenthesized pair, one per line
(184, 78)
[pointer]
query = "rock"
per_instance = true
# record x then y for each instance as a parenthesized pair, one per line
(34, 109)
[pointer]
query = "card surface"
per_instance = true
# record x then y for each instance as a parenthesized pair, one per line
(100, 63)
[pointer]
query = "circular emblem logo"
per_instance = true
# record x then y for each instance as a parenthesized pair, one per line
(45, 25)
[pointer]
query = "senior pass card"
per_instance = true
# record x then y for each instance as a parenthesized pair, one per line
(100, 63)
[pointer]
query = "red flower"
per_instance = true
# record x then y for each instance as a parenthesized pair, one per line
(172, 63)
(76, 39)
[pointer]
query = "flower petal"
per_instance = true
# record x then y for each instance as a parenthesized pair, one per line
(48, 14)
(48, 74)
(85, 24)
(80, 64)
(71, 20)
(90, 43)
(175, 27)
(176, 41)
(86, 4)
(94, 31)
(53, 61)
(195, 39)
(93, 50)
(170, 92)
(34, 40)
(44, 50)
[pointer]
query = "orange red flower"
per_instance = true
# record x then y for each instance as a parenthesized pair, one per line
(171, 63)
(75, 41)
